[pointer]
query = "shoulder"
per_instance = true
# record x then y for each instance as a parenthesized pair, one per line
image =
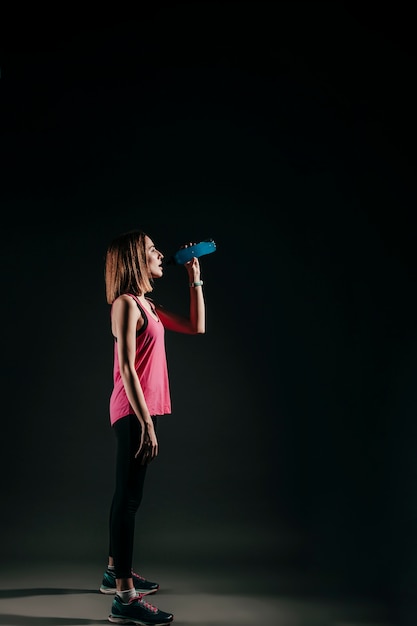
(125, 304)
(124, 299)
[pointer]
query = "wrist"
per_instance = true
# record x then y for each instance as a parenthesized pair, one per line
(196, 283)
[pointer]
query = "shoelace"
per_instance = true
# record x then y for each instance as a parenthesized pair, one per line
(147, 605)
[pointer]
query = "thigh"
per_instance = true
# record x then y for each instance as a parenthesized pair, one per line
(127, 431)
(129, 470)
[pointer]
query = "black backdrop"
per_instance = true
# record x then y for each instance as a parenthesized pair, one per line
(286, 132)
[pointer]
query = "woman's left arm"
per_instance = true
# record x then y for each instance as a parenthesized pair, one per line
(195, 324)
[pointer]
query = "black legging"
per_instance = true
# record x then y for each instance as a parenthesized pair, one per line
(130, 477)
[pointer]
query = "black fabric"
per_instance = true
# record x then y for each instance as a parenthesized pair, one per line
(129, 481)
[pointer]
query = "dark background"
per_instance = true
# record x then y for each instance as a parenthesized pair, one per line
(285, 131)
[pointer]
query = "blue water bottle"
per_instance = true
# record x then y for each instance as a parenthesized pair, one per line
(199, 249)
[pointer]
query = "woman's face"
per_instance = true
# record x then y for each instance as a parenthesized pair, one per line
(153, 258)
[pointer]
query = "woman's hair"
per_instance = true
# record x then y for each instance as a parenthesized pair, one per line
(126, 269)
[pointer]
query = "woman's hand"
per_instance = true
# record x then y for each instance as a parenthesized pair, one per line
(192, 266)
(193, 269)
(148, 449)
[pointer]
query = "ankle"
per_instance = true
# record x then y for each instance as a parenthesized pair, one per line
(126, 595)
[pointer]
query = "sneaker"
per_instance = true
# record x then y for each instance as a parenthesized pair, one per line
(142, 586)
(137, 611)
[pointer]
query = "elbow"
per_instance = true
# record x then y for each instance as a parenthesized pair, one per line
(197, 330)
(197, 327)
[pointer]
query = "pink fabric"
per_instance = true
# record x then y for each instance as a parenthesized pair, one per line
(151, 366)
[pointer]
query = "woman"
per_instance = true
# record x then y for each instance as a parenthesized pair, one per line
(140, 394)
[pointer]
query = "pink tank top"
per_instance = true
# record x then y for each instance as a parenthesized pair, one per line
(151, 366)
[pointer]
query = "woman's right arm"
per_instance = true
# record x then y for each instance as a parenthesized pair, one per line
(125, 319)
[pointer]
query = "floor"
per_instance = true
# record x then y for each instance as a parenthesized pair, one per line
(66, 594)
